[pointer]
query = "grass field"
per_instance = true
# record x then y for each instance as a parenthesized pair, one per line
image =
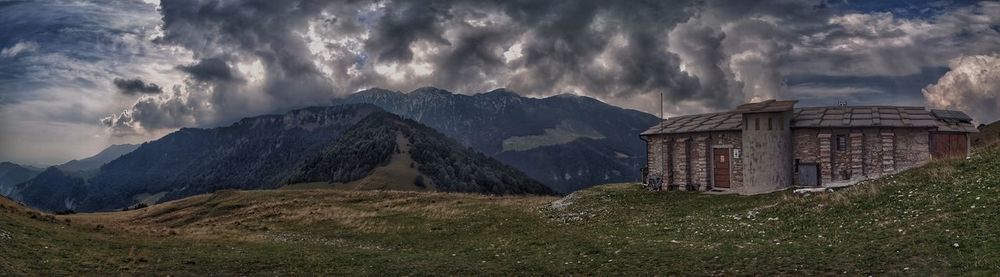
(940, 219)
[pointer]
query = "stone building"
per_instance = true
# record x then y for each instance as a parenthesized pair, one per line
(771, 145)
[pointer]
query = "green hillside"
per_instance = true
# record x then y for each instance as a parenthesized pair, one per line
(989, 135)
(939, 219)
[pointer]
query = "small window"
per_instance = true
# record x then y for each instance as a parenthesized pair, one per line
(841, 142)
(756, 123)
(781, 124)
(796, 165)
(769, 123)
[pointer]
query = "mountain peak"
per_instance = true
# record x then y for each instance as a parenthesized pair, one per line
(377, 91)
(502, 92)
(96, 161)
(52, 171)
(431, 90)
(567, 95)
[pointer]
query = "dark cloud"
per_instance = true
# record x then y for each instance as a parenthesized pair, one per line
(136, 86)
(219, 60)
(265, 56)
(208, 70)
(403, 24)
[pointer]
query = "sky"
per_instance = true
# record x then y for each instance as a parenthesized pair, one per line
(77, 76)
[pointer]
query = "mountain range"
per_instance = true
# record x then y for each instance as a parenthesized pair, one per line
(12, 174)
(403, 154)
(95, 162)
(333, 145)
(566, 141)
(496, 143)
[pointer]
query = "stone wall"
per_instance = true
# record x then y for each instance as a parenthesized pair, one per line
(681, 151)
(668, 157)
(805, 144)
(871, 152)
(699, 162)
(653, 155)
(841, 157)
(912, 148)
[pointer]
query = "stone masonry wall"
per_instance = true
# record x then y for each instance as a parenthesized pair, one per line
(681, 176)
(668, 158)
(652, 155)
(805, 144)
(841, 157)
(872, 154)
(888, 160)
(825, 138)
(699, 162)
(912, 148)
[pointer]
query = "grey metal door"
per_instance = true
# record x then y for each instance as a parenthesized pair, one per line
(809, 175)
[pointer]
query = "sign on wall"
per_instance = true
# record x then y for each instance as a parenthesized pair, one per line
(736, 153)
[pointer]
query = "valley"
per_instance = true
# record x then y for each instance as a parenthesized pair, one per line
(938, 219)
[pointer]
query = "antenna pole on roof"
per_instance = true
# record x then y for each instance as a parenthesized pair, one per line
(661, 105)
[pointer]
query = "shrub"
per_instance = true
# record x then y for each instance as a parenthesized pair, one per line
(65, 212)
(419, 181)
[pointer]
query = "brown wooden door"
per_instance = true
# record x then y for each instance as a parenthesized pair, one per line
(948, 145)
(720, 166)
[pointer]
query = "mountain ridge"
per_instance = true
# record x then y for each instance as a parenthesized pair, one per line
(12, 174)
(449, 166)
(261, 152)
(97, 160)
(487, 121)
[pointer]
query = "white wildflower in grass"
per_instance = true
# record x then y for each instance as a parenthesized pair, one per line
(955, 245)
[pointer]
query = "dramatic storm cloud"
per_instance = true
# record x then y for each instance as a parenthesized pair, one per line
(973, 84)
(134, 86)
(126, 71)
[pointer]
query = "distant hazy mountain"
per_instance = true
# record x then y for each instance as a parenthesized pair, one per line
(12, 174)
(52, 190)
(95, 162)
(409, 155)
(568, 142)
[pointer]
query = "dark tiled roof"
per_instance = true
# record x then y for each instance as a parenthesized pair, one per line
(823, 117)
(698, 123)
(874, 116)
(766, 106)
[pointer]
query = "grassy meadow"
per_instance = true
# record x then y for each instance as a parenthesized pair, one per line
(940, 219)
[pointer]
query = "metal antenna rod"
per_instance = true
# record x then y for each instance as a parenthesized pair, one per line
(661, 105)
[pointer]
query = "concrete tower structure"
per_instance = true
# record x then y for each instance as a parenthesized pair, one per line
(767, 145)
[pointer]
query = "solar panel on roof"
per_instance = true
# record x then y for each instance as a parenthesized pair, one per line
(954, 115)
